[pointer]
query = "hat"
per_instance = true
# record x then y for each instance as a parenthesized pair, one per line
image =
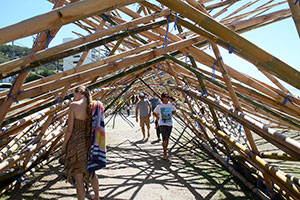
(141, 95)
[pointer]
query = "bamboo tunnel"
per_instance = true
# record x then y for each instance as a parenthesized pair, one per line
(159, 46)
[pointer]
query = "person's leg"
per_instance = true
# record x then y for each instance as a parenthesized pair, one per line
(165, 131)
(157, 130)
(95, 186)
(148, 125)
(165, 146)
(143, 131)
(79, 186)
(142, 126)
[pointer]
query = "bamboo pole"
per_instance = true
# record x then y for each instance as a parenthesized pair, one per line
(285, 181)
(41, 42)
(240, 96)
(288, 145)
(14, 64)
(59, 17)
(107, 68)
(89, 46)
(232, 72)
(233, 96)
(295, 9)
(277, 67)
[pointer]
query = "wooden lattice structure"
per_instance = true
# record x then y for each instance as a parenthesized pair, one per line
(142, 53)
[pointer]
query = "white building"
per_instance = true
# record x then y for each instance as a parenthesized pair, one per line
(71, 61)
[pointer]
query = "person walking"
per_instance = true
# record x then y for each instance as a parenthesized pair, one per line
(128, 109)
(164, 112)
(75, 144)
(154, 102)
(143, 108)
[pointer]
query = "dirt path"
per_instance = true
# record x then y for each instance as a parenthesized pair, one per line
(135, 170)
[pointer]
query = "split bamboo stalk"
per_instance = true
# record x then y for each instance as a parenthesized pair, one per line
(108, 68)
(46, 142)
(29, 108)
(12, 185)
(91, 45)
(295, 9)
(59, 17)
(14, 144)
(243, 78)
(232, 72)
(247, 99)
(284, 180)
(41, 42)
(277, 67)
(288, 145)
(237, 174)
(35, 116)
(241, 26)
(238, 10)
(12, 65)
(233, 96)
(198, 56)
(244, 15)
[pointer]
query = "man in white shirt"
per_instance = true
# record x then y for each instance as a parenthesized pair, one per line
(164, 112)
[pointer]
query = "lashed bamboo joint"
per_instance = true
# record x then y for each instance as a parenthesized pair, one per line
(227, 109)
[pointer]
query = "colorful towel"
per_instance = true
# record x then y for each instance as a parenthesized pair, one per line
(97, 153)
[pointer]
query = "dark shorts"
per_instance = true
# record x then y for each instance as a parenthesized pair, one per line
(165, 132)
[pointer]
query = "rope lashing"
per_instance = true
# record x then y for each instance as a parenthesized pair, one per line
(295, 2)
(269, 194)
(248, 154)
(22, 67)
(185, 35)
(287, 99)
(48, 40)
(38, 120)
(9, 95)
(4, 130)
(203, 93)
(231, 49)
(167, 30)
(209, 44)
(175, 20)
(186, 56)
(199, 88)
(213, 68)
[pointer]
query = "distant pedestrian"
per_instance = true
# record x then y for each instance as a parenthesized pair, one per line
(128, 109)
(164, 112)
(143, 106)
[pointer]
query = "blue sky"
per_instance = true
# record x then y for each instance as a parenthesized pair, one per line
(279, 39)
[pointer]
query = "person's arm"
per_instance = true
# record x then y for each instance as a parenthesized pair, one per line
(136, 113)
(150, 109)
(155, 112)
(69, 128)
(173, 110)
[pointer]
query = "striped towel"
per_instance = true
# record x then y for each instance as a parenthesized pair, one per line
(97, 153)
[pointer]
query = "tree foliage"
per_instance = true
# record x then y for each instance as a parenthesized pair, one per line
(9, 52)
(14, 51)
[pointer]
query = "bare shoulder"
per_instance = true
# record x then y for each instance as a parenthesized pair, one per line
(73, 105)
